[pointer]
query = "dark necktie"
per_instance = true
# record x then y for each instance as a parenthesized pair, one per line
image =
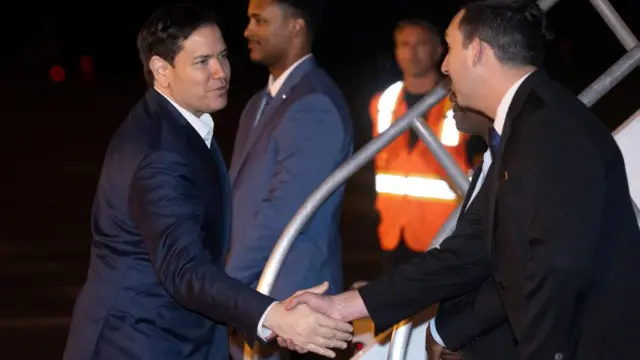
(494, 141)
(266, 98)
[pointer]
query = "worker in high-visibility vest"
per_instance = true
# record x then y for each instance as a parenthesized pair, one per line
(414, 195)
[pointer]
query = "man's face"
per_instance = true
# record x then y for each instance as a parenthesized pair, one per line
(458, 63)
(416, 50)
(199, 77)
(269, 32)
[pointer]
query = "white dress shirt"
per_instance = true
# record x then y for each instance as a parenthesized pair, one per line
(498, 124)
(204, 124)
(274, 85)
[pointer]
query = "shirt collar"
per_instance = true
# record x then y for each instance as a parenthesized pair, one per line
(203, 125)
(501, 113)
(274, 85)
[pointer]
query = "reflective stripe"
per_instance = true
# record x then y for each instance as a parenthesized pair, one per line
(387, 105)
(415, 186)
(450, 135)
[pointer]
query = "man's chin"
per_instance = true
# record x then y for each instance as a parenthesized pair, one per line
(255, 57)
(218, 105)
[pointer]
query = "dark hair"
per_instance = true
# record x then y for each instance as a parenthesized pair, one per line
(422, 24)
(514, 29)
(165, 31)
(308, 10)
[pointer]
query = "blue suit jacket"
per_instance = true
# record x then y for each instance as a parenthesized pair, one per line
(156, 288)
(304, 133)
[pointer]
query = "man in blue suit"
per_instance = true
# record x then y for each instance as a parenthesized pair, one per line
(156, 286)
(292, 135)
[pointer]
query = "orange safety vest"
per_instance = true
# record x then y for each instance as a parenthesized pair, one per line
(413, 196)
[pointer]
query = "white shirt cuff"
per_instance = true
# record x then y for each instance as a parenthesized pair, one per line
(434, 332)
(263, 333)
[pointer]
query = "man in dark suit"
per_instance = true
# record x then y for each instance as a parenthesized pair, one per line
(292, 135)
(560, 261)
(156, 286)
(496, 344)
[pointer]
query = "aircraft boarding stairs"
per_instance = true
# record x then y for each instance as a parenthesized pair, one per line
(407, 339)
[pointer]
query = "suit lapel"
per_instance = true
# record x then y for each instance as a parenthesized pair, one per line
(210, 157)
(280, 98)
(472, 187)
(225, 193)
(172, 116)
(244, 131)
(496, 170)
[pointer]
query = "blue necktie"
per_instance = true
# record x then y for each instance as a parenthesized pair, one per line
(266, 98)
(494, 141)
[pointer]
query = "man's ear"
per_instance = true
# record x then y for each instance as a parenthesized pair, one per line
(298, 26)
(161, 70)
(478, 50)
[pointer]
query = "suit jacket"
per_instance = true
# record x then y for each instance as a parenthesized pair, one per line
(304, 133)
(563, 244)
(493, 343)
(156, 286)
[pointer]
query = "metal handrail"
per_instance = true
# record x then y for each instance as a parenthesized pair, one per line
(615, 23)
(610, 78)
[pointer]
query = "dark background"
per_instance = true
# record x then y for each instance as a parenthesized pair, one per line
(54, 134)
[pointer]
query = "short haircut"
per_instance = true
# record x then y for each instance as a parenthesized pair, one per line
(514, 29)
(422, 24)
(166, 30)
(308, 10)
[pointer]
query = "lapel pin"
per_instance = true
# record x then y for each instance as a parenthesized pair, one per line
(506, 175)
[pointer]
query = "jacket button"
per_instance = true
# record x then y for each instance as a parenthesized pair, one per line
(558, 356)
(502, 286)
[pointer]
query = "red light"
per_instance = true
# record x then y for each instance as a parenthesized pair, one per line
(57, 73)
(86, 63)
(359, 346)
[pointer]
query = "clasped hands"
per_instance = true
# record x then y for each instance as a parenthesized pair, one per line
(304, 323)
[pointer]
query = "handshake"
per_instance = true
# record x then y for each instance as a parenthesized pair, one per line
(309, 321)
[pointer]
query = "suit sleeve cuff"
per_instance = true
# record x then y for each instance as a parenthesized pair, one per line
(265, 334)
(434, 332)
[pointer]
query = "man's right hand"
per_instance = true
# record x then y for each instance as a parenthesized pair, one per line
(309, 329)
(324, 304)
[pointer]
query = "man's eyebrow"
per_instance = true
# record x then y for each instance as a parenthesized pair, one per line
(203, 57)
(209, 56)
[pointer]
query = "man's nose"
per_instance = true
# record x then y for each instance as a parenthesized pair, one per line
(445, 65)
(218, 71)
